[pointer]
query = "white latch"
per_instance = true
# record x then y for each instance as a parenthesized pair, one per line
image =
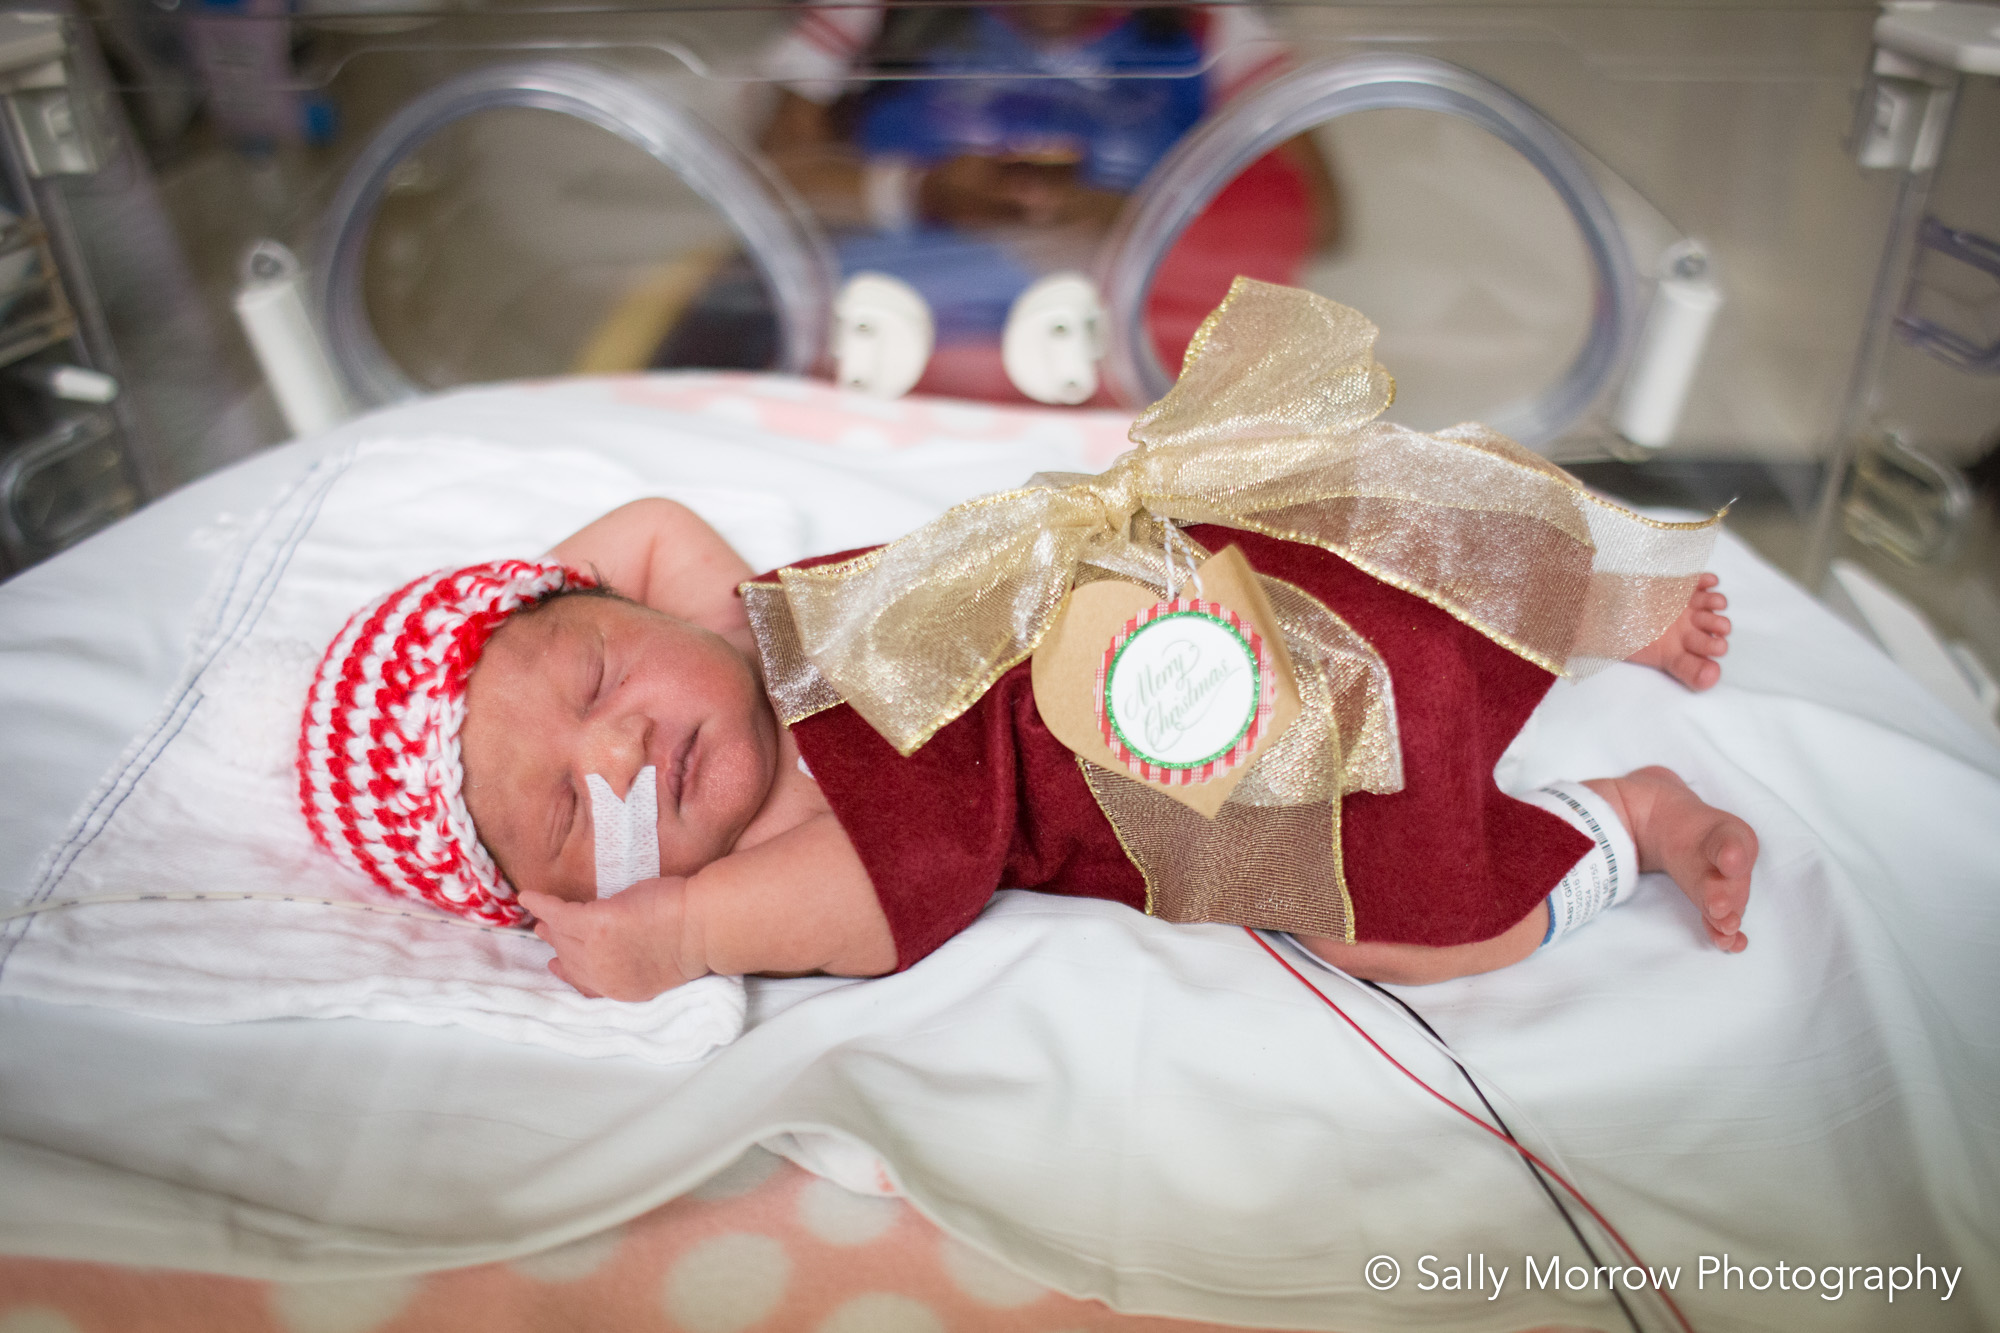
(1054, 339)
(882, 335)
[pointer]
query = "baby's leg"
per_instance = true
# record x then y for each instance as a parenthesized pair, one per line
(1687, 651)
(1707, 852)
(1421, 964)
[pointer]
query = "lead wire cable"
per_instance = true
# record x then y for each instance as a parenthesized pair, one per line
(1534, 1170)
(1507, 1137)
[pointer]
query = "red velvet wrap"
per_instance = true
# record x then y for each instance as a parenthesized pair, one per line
(994, 800)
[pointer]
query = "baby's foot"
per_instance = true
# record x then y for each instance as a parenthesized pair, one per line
(1687, 651)
(1708, 852)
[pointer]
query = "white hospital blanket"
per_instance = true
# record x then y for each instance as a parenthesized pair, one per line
(206, 802)
(1150, 1114)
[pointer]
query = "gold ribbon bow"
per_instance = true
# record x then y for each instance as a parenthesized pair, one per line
(1271, 428)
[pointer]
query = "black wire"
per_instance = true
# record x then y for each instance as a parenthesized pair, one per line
(1533, 1170)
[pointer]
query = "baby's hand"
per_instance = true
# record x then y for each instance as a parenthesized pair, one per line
(626, 947)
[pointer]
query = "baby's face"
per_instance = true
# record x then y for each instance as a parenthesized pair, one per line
(597, 685)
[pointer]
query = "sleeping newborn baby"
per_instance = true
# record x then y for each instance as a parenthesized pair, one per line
(673, 769)
(493, 719)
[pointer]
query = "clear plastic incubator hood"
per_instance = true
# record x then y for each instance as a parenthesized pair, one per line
(1737, 252)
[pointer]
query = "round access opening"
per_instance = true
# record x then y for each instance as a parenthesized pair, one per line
(1465, 257)
(1478, 242)
(507, 223)
(516, 243)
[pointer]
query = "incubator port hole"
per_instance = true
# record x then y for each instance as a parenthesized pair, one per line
(520, 243)
(1463, 254)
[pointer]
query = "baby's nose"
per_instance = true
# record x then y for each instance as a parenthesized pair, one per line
(618, 752)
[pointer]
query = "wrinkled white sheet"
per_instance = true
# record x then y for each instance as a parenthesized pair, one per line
(206, 802)
(1153, 1115)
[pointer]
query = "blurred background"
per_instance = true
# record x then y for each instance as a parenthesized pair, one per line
(1740, 253)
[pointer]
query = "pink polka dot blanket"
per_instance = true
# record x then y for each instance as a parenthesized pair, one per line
(1151, 1116)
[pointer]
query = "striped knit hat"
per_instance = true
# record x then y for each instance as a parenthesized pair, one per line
(380, 779)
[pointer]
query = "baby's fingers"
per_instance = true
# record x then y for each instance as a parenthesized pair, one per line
(543, 906)
(562, 975)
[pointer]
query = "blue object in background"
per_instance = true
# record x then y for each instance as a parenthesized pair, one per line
(1113, 104)
(241, 51)
(969, 283)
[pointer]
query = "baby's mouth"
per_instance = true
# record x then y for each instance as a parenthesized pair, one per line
(677, 774)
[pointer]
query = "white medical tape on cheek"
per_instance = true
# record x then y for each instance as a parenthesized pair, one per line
(1607, 875)
(627, 831)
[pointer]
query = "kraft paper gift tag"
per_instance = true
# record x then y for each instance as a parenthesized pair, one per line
(1190, 673)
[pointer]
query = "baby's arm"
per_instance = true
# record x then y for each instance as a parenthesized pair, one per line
(798, 902)
(663, 555)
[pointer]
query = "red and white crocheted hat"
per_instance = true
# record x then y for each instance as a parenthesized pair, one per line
(380, 779)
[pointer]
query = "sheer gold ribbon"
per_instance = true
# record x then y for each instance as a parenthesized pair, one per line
(1271, 428)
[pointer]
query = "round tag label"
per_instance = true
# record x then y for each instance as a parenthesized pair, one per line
(1184, 690)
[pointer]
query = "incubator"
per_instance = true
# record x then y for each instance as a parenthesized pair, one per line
(823, 271)
(1741, 255)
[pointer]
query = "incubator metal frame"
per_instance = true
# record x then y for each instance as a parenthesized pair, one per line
(81, 466)
(1903, 118)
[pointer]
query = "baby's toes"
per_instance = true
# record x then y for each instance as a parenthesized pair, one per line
(1731, 848)
(1702, 643)
(1695, 671)
(1729, 941)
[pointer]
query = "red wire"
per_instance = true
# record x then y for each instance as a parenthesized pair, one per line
(1501, 1135)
